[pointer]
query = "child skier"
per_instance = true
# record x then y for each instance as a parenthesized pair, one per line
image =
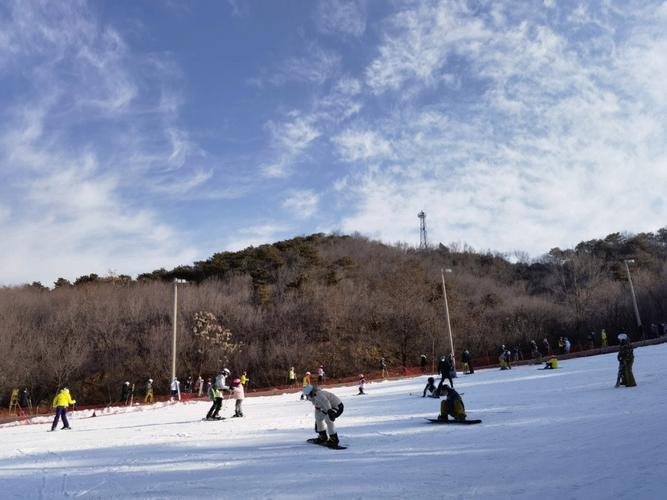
(306, 382)
(238, 395)
(60, 403)
(362, 382)
(216, 396)
(328, 407)
(453, 405)
(430, 388)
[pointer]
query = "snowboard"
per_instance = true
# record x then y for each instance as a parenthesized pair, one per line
(213, 419)
(549, 368)
(451, 421)
(314, 441)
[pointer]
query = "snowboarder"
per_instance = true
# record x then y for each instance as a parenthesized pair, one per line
(551, 363)
(149, 391)
(423, 362)
(328, 407)
(453, 405)
(238, 395)
(62, 400)
(626, 358)
(291, 377)
(467, 362)
(362, 383)
(125, 393)
(430, 388)
(445, 368)
(306, 382)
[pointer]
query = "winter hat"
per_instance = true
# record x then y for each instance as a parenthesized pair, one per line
(308, 390)
(226, 370)
(361, 375)
(307, 373)
(622, 336)
(236, 381)
(150, 380)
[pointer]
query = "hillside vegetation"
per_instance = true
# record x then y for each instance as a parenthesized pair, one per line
(341, 301)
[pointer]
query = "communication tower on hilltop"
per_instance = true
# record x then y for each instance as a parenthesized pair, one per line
(422, 230)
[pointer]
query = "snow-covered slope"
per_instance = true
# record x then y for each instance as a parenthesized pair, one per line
(545, 434)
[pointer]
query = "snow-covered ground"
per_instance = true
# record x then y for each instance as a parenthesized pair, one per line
(545, 434)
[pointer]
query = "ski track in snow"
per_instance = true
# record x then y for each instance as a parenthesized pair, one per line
(565, 434)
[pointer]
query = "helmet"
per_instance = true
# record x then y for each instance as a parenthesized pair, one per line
(150, 380)
(236, 381)
(307, 373)
(622, 337)
(431, 379)
(226, 371)
(308, 390)
(127, 383)
(361, 375)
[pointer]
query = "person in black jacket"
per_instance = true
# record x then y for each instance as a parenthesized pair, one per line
(467, 362)
(445, 369)
(430, 388)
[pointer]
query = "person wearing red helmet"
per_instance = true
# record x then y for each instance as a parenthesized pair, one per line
(238, 395)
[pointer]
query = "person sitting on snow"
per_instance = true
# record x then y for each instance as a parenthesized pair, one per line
(430, 388)
(551, 363)
(453, 405)
(328, 407)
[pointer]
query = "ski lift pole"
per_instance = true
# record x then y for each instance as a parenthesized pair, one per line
(449, 326)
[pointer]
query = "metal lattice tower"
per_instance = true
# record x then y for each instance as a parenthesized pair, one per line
(423, 243)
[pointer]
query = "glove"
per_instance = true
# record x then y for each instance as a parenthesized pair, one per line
(332, 414)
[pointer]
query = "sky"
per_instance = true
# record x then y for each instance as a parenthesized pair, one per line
(140, 135)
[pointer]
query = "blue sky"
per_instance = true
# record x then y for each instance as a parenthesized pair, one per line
(139, 135)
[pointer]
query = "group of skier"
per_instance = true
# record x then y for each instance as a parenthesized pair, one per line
(217, 393)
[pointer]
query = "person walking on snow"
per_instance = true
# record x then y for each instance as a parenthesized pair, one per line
(62, 400)
(453, 405)
(217, 393)
(175, 389)
(306, 382)
(125, 393)
(238, 395)
(291, 377)
(320, 375)
(445, 368)
(626, 359)
(467, 362)
(149, 391)
(423, 362)
(383, 367)
(362, 382)
(328, 407)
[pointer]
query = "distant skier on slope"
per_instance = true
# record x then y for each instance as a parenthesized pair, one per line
(362, 383)
(125, 393)
(626, 359)
(445, 368)
(467, 362)
(62, 400)
(328, 407)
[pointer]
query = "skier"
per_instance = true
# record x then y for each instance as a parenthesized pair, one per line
(423, 362)
(328, 407)
(362, 382)
(216, 394)
(430, 388)
(603, 338)
(626, 358)
(320, 375)
(199, 386)
(221, 379)
(306, 382)
(125, 393)
(453, 405)
(445, 368)
(175, 389)
(244, 379)
(291, 377)
(467, 362)
(238, 395)
(187, 387)
(25, 399)
(62, 400)
(566, 345)
(149, 391)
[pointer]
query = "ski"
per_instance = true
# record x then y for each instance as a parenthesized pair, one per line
(325, 445)
(460, 422)
(213, 419)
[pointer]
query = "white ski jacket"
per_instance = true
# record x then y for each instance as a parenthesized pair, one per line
(325, 400)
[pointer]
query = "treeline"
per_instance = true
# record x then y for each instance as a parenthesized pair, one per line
(341, 301)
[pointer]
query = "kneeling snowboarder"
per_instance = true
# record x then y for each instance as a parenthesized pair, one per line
(430, 388)
(453, 405)
(328, 407)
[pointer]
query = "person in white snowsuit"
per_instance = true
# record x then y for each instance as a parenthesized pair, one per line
(239, 395)
(328, 407)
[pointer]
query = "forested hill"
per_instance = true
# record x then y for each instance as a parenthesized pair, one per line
(341, 301)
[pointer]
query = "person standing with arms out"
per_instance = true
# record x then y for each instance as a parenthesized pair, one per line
(306, 381)
(60, 403)
(362, 383)
(291, 377)
(149, 391)
(328, 407)
(238, 395)
(320, 375)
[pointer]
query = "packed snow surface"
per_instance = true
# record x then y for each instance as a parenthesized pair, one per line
(566, 433)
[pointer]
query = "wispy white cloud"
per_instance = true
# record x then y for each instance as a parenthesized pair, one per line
(341, 17)
(356, 145)
(302, 204)
(256, 235)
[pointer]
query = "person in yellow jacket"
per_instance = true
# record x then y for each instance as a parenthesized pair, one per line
(62, 400)
(552, 363)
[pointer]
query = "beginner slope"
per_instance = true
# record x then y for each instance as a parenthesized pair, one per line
(560, 434)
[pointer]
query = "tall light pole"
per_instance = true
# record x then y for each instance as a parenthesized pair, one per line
(634, 297)
(449, 326)
(173, 345)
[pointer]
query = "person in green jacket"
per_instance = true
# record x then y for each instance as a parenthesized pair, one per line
(626, 359)
(60, 403)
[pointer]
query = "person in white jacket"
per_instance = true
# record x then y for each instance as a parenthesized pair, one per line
(238, 394)
(328, 407)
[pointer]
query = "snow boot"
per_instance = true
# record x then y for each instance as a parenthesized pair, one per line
(321, 437)
(444, 418)
(333, 441)
(68, 428)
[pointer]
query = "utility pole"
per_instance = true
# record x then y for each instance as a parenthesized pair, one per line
(449, 326)
(634, 297)
(173, 345)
